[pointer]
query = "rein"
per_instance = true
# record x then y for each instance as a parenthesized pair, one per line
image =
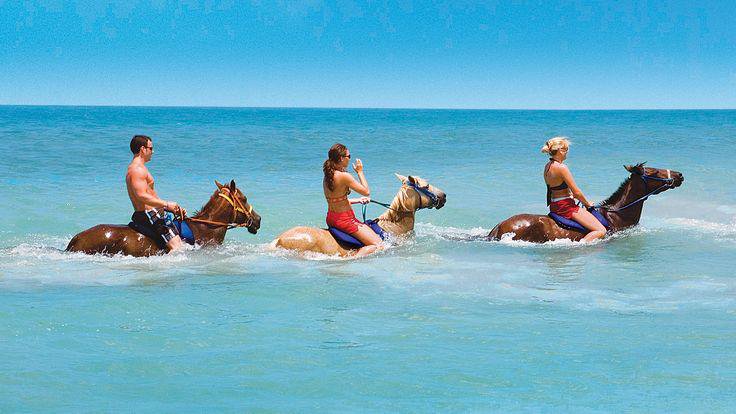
(237, 206)
(668, 183)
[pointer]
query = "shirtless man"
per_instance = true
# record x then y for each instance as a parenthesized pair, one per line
(150, 210)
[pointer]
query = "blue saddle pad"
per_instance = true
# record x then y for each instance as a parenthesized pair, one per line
(351, 241)
(184, 231)
(574, 225)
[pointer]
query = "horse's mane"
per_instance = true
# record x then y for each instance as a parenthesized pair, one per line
(616, 194)
(198, 212)
(397, 208)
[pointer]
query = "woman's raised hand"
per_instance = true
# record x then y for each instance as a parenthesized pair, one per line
(358, 166)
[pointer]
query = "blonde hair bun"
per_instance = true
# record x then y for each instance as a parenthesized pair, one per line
(555, 144)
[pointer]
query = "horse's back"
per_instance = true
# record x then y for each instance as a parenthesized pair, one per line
(312, 239)
(113, 239)
(534, 228)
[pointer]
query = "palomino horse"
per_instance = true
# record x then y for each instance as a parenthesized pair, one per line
(415, 194)
(227, 208)
(622, 209)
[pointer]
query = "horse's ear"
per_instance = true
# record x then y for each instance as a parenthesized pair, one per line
(401, 177)
(635, 169)
(219, 186)
(412, 179)
(232, 185)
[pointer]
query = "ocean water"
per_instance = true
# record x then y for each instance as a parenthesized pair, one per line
(643, 321)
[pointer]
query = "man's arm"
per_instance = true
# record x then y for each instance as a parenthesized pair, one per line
(139, 186)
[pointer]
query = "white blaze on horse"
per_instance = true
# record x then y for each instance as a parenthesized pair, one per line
(398, 220)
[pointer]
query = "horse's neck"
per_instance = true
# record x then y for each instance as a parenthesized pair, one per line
(399, 218)
(206, 233)
(630, 215)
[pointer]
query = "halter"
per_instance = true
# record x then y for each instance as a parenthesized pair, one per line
(667, 183)
(433, 199)
(237, 206)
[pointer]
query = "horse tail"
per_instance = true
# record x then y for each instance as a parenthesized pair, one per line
(493, 235)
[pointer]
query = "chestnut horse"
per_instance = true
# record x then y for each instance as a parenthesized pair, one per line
(622, 209)
(415, 194)
(227, 208)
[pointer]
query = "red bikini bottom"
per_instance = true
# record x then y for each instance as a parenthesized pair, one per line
(565, 208)
(343, 221)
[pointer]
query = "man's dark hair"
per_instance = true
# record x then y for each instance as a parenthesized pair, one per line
(137, 142)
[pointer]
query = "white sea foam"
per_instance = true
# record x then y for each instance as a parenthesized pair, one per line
(721, 229)
(409, 263)
(478, 234)
(451, 233)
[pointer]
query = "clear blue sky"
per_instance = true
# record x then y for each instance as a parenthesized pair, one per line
(416, 54)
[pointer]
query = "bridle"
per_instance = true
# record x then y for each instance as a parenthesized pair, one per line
(666, 184)
(433, 199)
(237, 206)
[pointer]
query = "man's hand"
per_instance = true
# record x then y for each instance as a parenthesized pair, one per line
(171, 206)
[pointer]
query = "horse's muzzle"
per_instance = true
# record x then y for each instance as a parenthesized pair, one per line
(255, 225)
(677, 179)
(441, 200)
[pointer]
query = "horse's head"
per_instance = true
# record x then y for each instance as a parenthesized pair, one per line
(243, 213)
(656, 180)
(417, 193)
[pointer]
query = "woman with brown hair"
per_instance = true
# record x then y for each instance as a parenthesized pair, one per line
(337, 184)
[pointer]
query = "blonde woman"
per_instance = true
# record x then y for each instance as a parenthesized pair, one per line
(562, 190)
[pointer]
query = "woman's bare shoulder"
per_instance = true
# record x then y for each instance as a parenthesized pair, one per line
(342, 176)
(558, 167)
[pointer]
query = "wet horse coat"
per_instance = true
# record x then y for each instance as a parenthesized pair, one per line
(622, 209)
(228, 207)
(415, 194)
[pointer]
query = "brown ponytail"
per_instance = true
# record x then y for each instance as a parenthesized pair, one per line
(329, 167)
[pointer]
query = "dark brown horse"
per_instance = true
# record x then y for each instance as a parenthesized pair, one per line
(227, 208)
(622, 209)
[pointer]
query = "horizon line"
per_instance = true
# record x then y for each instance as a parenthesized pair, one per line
(363, 108)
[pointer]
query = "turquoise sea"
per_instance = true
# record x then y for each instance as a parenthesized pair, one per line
(642, 322)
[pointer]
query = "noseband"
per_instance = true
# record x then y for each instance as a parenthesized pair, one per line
(668, 182)
(433, 199)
